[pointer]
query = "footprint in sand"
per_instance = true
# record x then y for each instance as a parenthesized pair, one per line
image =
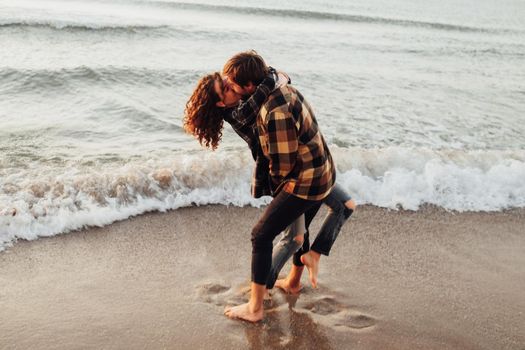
(354, 320)
(222, 295)
(324, 306)
(213, 293)
(337, 314)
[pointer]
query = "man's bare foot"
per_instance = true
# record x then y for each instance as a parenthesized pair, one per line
(244, 312)
(267, 295)
(289, 288)
(311, 261)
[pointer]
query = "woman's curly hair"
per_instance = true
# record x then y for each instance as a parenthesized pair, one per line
(202, 117)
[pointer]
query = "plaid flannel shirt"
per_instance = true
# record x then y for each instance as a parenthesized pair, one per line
(299, 159)
(243, 121)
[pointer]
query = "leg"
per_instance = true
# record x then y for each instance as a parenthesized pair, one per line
(282, 211)
(308, 218)
(292, 283)
(341, 206)
(291, 241)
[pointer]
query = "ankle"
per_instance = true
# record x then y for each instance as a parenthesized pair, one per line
(294, 276)
(315, 255)
(255, 306)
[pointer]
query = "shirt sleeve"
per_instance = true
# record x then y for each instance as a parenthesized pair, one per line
(282, 145)
(246, 113)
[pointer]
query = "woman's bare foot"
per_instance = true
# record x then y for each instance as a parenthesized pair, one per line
(311, 261)
(244, 312)
(289, 288)
(292, 283)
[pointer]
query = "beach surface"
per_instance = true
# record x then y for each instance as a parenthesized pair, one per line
(429, 279)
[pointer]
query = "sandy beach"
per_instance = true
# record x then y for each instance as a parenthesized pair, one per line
(430, 279)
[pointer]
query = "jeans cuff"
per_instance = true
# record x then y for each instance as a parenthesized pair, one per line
(325, 252)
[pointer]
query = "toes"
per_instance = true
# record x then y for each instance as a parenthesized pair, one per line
(313, 281)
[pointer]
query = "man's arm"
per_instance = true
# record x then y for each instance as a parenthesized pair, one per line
(246, 113)
(282, 144)
(243, 117)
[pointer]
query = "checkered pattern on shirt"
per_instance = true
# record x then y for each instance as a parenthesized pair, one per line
(290, 139)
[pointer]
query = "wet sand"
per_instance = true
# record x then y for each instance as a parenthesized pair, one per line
(395, 280)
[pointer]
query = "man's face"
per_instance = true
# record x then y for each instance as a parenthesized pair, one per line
(241, 90)
(228, 97)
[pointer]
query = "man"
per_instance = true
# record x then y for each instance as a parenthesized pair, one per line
(301, 170)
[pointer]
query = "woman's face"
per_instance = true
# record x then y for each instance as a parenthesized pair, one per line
(228, 97)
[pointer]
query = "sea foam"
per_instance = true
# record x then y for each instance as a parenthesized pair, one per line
(46, 203)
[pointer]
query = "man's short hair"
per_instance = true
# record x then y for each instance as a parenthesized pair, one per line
(246, 67)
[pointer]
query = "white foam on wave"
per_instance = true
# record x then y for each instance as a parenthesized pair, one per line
(455, 180)
(47, 201)
(77, 198)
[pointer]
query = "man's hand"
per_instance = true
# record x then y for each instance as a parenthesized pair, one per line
(270, 79)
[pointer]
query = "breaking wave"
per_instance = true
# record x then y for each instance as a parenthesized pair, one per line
(40, 204)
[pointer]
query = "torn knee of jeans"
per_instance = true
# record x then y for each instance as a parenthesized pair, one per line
(350, 204)
(349, 208)
(299, 239)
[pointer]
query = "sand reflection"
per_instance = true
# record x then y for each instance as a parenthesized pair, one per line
(286, 328)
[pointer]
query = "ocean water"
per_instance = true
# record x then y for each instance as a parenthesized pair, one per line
(421, 102)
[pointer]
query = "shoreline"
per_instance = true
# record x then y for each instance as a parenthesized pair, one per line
(431, 279)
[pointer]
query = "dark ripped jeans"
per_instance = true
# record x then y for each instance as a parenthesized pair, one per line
(287, 246)
(283, 210)
(337, 215)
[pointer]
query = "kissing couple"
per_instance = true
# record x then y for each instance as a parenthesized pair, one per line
(293, 164)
